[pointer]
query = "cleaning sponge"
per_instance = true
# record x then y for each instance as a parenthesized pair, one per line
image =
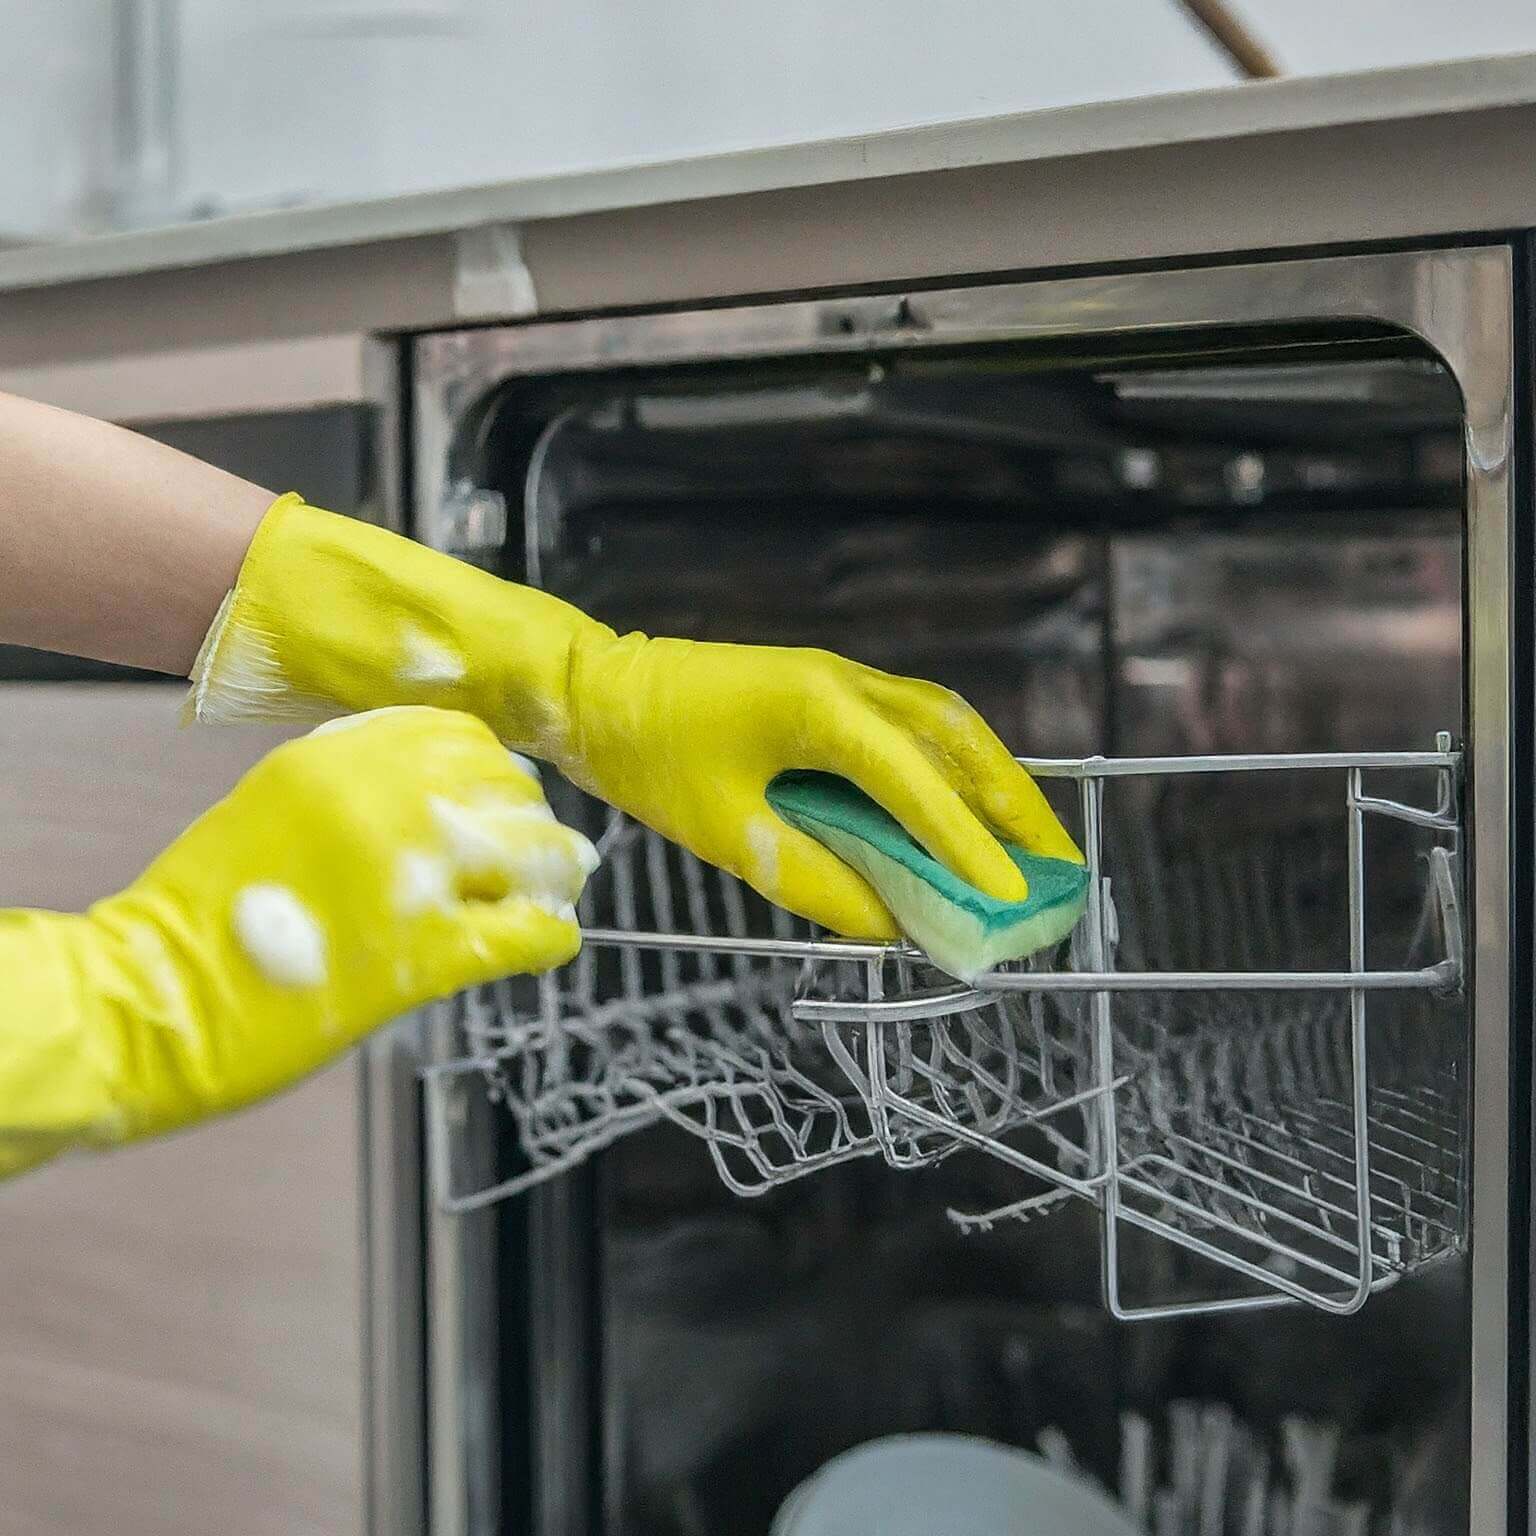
(961, 929)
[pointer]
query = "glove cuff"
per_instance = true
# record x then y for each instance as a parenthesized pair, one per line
(330, 616)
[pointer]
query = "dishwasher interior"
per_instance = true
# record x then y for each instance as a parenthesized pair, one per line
(1236, 549)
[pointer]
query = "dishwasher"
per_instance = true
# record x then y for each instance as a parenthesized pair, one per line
(1220, 1206)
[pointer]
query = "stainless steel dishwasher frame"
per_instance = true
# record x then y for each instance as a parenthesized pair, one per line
(433, 1374)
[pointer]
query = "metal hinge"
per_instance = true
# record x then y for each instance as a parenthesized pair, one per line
(491, 281)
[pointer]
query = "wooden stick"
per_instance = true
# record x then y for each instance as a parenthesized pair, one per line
(1252, 58)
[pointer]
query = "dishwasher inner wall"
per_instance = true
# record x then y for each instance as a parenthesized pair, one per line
(1234, 556)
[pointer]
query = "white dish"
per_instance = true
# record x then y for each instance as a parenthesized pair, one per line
(946, 1485)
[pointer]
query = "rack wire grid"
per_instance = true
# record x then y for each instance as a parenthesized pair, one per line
(696, 1029)
(1299, 1128)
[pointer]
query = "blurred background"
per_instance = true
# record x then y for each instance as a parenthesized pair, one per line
(127, 113)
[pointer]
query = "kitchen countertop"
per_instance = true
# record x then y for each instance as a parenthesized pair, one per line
(272, 309)
(1177, 118)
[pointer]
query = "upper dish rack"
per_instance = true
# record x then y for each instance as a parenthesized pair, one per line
(1218, 1064)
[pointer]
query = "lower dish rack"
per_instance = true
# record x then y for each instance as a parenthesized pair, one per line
(1214, 1060)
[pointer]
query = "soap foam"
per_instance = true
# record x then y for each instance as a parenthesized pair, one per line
(473, 841)
(280, 935)
(763, 841)
(547, 865)
(428, 660)
(483, 836)
(149, 950)
(526, 765)
(587, 855)
(497, 809)
(555, 905)
(423, 882)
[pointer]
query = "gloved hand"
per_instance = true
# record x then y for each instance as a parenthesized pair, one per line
(329, 614)
(351, 875)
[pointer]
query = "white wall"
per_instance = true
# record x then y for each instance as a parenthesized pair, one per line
(285, 100)
(54, 76)
(339, 97)
(1326, 36)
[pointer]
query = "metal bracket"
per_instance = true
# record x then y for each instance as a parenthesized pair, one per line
(491, 281)
(471, 520)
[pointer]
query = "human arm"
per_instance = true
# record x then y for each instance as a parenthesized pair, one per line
(112, 545)
(350, 876)
(116, 547)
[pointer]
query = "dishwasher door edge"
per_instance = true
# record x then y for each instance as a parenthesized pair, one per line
(1459, 301)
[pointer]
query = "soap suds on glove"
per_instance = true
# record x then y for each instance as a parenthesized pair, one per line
(588, 859)
(473, 841)
(429, 661)
(552, 863)
(502, 811)
(492, 834)
(763, 845)
(280, 935)
(526, 765)
(176, 1011)
(423, 882)
(547, 863)
(555, 906)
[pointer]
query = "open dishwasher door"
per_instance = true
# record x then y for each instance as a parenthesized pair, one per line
(1186, 1209)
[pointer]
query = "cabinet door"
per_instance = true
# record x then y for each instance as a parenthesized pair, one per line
(179, 1329)
(180, 1321)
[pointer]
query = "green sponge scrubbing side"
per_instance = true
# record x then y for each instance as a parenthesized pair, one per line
(961, 929)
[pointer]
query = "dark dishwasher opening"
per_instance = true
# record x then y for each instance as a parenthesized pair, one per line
(1245, 553)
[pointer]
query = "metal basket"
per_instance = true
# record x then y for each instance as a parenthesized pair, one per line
(1233, 1111)
(699, 1032)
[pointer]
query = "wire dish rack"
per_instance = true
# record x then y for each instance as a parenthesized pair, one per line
(1213, 1058)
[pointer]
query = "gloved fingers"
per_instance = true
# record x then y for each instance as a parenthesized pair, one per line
(441, 747)
(471, 822)
(549, 863)
(797, 873)
(490, 848)
(1001, 792)
(487, 764)
(400, 716)
(403, 723)
(474, 942)
(462, 754)
(508, 938)
(1014, 804)
(889, 766)
(487, 850)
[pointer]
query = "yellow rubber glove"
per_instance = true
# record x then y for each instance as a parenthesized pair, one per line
(330, 614)
(351, 875)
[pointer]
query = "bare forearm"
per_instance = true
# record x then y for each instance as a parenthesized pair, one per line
(111, 545)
